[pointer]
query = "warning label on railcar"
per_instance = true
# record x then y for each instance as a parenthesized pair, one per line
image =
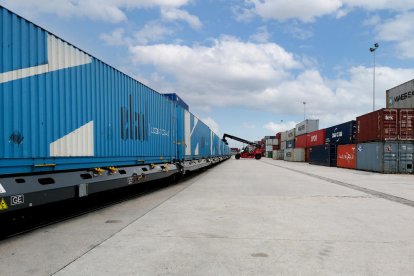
(2, 190)
(3, 205)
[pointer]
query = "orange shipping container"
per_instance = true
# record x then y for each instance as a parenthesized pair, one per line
(346, 156)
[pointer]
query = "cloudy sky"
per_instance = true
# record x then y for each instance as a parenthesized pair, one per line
(246, 67)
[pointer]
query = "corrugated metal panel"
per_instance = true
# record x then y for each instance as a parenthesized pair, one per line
(324, 155)
(278, 154)
(406, 124)
(406, 154)
(315, 138)
(283, 145)
(307, 126)
(380, 125)
(401, 96)
(346, 156)
(301, 141)
(341, 134)
(378, 157)
(295, 155)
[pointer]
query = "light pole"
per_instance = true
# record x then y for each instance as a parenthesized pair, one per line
(372, 50)
(304, 110)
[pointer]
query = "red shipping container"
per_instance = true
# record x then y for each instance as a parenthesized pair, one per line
(379, 125)
(276, 147)
(406, 124)
(346, 156)
(316, 138)
(279, 135)
(300, 141)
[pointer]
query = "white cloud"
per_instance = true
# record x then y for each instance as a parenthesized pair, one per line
(152, 32)
(213, 125)
(274, 128)
(400, 30)
(262, 35)
(232, 73)
(309, 10)
(174, 14)
(305, 10)
(105, 10)
(116, 38)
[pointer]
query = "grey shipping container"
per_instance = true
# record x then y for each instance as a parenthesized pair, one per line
(306, 126)
(401, 96)
(378, 157)
(283, 145)
(295, 155)
(405, 157)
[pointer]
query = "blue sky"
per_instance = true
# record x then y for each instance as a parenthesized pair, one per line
(246, 67)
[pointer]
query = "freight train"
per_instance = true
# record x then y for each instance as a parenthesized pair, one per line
(71, 125)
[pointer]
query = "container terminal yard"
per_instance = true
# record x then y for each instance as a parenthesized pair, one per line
(77, 132)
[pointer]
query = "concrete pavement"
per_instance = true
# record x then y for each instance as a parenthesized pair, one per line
(249, 217)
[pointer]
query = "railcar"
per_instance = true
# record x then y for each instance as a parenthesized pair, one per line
(72, 125)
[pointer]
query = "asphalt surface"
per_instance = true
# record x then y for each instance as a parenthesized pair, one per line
(242, 217)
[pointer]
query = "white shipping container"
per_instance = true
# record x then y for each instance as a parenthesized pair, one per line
(269, 148)
(290, 135)
(269, 142)
(278, 154)
(307, 126)
(401, 96)
(295, 155)
(283, 145)
(283, 136)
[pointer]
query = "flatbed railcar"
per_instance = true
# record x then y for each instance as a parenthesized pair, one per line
(71, 125)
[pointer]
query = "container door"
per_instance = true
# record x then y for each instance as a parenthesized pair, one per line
(406, 153)
(370, 157)
(390, 157)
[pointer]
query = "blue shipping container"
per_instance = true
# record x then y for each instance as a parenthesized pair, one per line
(62, 109)
(341, 134)
(290, 144)
(324, 155)
(174, 97)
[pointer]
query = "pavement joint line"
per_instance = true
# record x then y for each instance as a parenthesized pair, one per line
(375, 193)
(186, 186)
(276, 240)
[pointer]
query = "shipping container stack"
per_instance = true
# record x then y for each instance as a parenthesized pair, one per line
(302, 132)
(271, 144)
(326, 154)
(385, 141)
(277, 155)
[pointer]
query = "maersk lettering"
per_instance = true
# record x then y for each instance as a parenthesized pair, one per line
(404, 96)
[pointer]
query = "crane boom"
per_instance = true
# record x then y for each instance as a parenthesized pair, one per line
(238, 139)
